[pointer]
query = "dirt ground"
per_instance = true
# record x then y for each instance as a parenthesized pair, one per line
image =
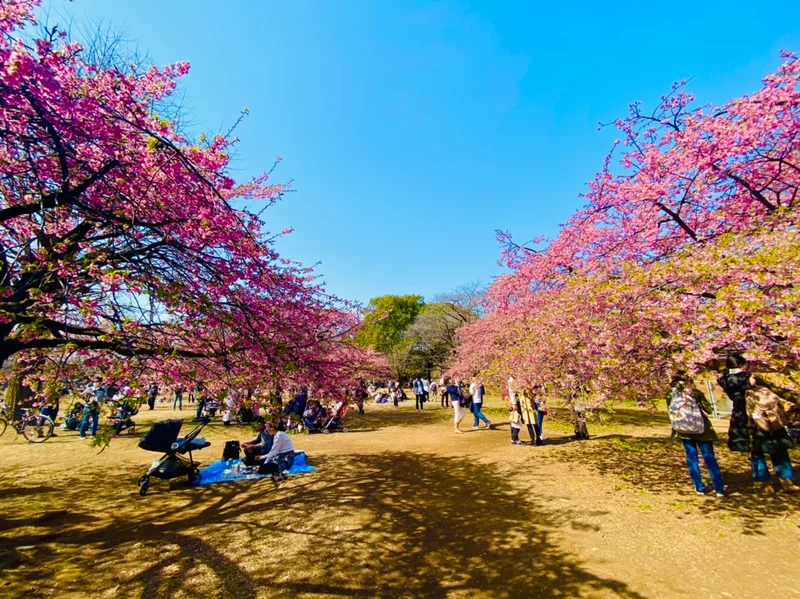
(399, 506)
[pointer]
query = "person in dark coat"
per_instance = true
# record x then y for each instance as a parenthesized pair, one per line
(774, 443)
(735, 382)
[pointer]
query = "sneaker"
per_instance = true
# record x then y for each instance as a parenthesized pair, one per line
(516, 442)
(720, 495)
(475, 428)
(788, 486)
(701, 491)
(544, 438)
(488, 425)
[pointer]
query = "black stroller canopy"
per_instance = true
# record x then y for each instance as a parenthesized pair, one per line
(162, 436)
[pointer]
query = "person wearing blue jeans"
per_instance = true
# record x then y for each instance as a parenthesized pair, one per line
(90, 411)
(775, 443)
(477, 391)
(707, 451)
(682, 393)
(178, 401)
(780, 461)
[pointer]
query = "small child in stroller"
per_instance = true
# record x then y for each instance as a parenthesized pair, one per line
(335, 420)
(312, 417)
(122, 417)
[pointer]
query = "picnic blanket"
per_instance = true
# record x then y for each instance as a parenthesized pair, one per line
(225, 471)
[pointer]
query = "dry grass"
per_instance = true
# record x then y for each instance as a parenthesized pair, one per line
(398, 507)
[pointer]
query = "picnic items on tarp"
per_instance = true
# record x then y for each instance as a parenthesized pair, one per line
(235, 470)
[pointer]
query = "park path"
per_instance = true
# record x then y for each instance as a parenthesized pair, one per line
(398, 507)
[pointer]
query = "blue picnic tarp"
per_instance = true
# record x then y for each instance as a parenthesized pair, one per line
(225, 471)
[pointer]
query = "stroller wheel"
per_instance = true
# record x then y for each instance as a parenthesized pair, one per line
(344, 429)
(131, 429)
(193, 476)
(145, 484)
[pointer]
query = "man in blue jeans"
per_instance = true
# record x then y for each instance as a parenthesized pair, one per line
(92, 408)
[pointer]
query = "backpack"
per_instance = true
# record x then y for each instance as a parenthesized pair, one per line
(765, 408)
(684, 413)
(232, 450)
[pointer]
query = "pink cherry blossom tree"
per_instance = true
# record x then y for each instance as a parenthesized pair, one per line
(686, 246)
(122, 248)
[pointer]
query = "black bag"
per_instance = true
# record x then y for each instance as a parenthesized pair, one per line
(232, 450)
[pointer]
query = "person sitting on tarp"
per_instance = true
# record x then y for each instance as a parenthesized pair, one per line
(281, 457)
(259, 446)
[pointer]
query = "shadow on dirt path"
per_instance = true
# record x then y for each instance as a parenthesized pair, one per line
(394, 524)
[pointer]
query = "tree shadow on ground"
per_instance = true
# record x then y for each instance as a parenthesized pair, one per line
(659, 466)
(395, 524)
(380, 419)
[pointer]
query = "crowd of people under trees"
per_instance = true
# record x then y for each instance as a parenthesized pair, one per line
(691, 245)
(759, 425)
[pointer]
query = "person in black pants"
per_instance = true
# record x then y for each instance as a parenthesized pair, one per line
(259, 446)
(152, 393)
(419, 393)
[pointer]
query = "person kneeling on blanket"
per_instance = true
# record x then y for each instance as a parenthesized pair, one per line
(259, 446)
(281, 456)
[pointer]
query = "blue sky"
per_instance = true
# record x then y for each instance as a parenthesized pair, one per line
(413, 130)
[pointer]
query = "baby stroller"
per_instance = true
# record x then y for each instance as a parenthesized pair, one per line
(206, 408)
(335, 422)
(163, 438)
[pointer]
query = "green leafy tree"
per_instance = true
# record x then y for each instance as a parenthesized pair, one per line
(387, 318)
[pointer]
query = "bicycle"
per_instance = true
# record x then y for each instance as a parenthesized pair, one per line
(31, 425)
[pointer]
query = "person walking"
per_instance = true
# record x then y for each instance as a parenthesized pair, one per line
(769, 434)
(736, 382)
(419, 394)
(456, 398)
(397, 395)
(152, 394)
(360, 395)
(687, 412)
(477, 391)
(443, 392)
